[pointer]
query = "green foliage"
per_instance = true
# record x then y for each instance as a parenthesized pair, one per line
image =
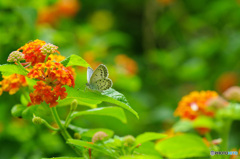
(9, 69)
(88, 133)
(65, 158)
(182, 126)
(204, 122)
(74, 60)
(116, 148)
(39, 110)
(148, 136)
(31, 83)
(85, 102)
(148, 148)
(79, 143)
(23, 100)
(183, 146)
(110, 96)
(28, 15)
(17, 110)
(232, 111)
(140, 157)
(174, 56)
(106, 111)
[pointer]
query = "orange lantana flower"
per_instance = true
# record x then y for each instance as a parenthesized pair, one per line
(53, 76)
(12, 83)
(195, 104)
(126, 65)
(227, 80)
(49, 94)
(56, 58)
(63, 8)
(59, 58)
(52, 73)
(32, 51)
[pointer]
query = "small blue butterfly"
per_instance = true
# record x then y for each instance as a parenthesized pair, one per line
(98, 79)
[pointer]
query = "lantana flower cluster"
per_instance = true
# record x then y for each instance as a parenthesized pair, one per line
(32, 52)
(126, 64)
(15, 56)
(45, 67)
(12, 83)
(53, 76)
(195, 104)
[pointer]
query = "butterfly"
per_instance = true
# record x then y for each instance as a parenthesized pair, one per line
(98, 79)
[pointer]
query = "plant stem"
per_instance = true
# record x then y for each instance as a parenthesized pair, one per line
(25, 94)
(68, 119)
(46, 58)
(209, 138)
(63, 131)
(225, 135)
(49, 126)
(22, 66)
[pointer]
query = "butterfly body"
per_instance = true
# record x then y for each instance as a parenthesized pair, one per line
(98, 79)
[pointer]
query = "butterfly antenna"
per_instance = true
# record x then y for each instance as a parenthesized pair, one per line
(81, 87)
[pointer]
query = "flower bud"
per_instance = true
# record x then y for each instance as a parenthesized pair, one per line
(77, 136)
(218, 102)
(74, 104)
(17, 110)
(37, 120)
(48, 49)
(128, 140)
(15, 56)
(98, 136)
(217, 141)
(232, 93)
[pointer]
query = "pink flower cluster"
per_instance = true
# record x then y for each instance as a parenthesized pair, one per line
(15, 56)
(49, 49)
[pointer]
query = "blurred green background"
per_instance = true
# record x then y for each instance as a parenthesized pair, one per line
(156, 51)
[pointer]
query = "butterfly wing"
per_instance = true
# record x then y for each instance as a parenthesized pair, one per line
(89, 74)
(101, 72)
(103, 84)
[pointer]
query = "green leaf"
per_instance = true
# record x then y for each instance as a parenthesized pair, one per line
(183, 126)
(23, 100)
(147, 148)
(232, 111)
(9, 69)
(115, 112)
(90, 132)
(140, 157)
(148, 136)
(65, 158)
(42, 111)
(96, 147)
(29, 111)
(203, 121)
(235, 110)
(110, 96)
(31, 83)
(115, 95)
(86, 102)
(74, 60)
(17, 110)
(183, 146)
